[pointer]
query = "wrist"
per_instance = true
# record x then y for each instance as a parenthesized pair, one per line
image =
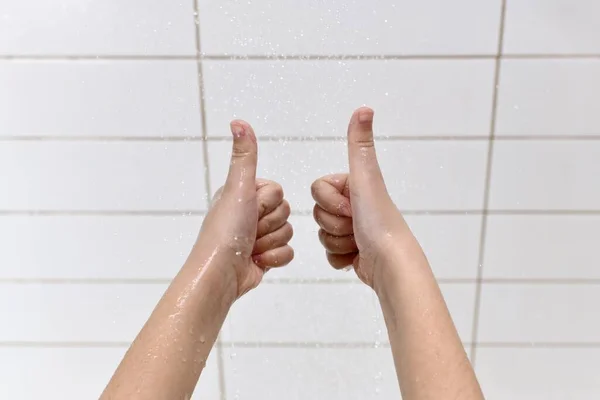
(397, 260)
(216, 272)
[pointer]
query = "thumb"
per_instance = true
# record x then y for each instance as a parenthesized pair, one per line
(366, 179)
(244, 157)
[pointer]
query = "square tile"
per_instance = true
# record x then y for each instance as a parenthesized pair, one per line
(539, 373)
(546, 313)
(549, 97)
(304, 373)
(111, 27)
(548, 175)
(74, 373)
(341, 27)
(326, 313)
(552, 27)
(129, 247)
(542, 246)
(55, 175)
(420, 175)
(76, 312)
(316, 98)
(99, 98)
(450, 242)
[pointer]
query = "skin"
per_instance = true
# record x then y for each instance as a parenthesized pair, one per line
(244, 234)
(361, 227)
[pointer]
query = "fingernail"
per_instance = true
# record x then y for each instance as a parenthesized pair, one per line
(365, 116)
(238, 131)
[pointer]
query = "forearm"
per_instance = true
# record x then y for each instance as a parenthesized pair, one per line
(430, 360)
(168, 355)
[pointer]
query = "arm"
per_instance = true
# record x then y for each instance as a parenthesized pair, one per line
(361, 226)
(245, 233)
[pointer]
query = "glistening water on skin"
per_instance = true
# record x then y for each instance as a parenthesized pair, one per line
(246, 233)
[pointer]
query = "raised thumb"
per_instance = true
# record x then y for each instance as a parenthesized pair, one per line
(366, 179)
(244, 157)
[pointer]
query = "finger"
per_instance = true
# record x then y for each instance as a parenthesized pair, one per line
(273, 240)
(332, 195)
(269, 196)
(338, 244)
(365, 175)
(274, 220)
(275, 257)
(339, 261)
(333, 224)
(244, 157)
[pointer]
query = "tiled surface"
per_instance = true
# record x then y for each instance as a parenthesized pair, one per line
(308, 313)
(72, 373)
(275, 373)
(37, 27)
(546, 175)
(127, 98)
(420, 175)
(349, 27)
(552, 26)
(542, 247)
(281, 96)
(152, 247)
(94, 175)
(102, 183)
(549, 97)
(551, 313)
(539, 373)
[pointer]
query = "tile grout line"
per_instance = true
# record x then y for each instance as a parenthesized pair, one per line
(275, 138)
(295, 57)
(205, 156)
(295, 213)
(296, 281)
(486, 193)
(296, 345)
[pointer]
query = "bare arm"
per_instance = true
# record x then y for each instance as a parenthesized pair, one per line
(245, 233)
(167, 357)
(361, 226)
(430, 360)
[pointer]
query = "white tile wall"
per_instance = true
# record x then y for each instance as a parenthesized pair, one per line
(542, 247)
(102, 183)
(126, 98)
(349, 27)
(301, 373)
(552, 27)
(551, 313)
(75, 372)
(308, 313)
(101, 176)
(549, 97)
(548, 175)
(539, 373)
(420, 175)
(316, 98)
(123, 247)
(112, 27)
(75, 312)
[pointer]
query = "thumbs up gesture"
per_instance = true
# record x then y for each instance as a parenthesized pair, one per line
(359, 221)
(247, 224)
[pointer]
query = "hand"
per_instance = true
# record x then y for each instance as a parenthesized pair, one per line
(360, 224)
(247, 224)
